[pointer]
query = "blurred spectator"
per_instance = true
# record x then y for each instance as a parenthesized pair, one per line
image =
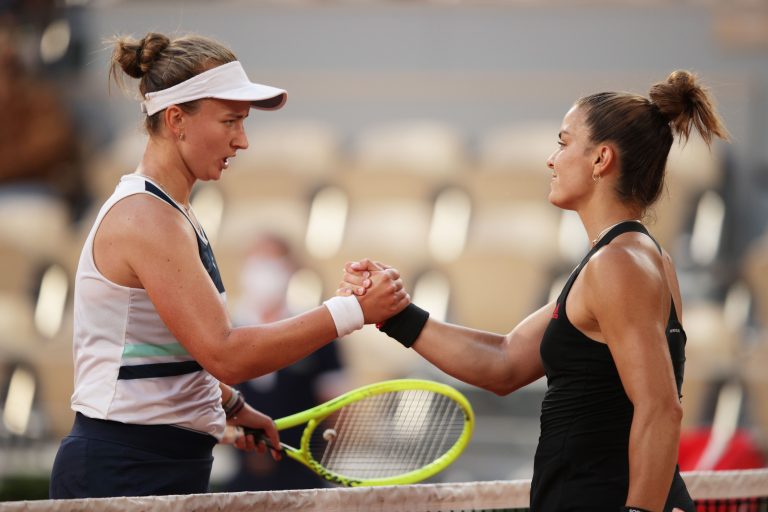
(39, 147)
(319, 377)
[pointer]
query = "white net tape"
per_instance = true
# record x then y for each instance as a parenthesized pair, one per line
(410, 498)
(727, 484)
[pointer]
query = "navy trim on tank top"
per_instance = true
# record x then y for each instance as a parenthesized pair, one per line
(153, 370)
(203, 248)
(173, 369)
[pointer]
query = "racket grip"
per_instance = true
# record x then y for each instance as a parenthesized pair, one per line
(259, 435)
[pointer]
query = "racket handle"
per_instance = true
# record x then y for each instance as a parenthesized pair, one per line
(259, 435)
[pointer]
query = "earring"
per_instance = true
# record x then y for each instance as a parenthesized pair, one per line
(181, 136)
(597, 177)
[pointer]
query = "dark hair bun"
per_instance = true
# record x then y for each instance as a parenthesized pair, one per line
(686, 104)
(136, 58)
(676, 95)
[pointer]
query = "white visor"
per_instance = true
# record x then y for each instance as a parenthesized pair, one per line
(225, 82)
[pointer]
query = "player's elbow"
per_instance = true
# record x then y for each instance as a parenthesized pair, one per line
(505, 389)
(223, 372)
(502, 387)
(229, 378)
(670, 412)
(224, 369)
(506, 380)
(221, 358)
(675, 412)
(499, 390)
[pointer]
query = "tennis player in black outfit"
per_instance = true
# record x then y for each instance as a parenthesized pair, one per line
(612, 345)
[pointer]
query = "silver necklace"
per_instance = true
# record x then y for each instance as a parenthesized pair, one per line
(188, 209)
(161, 187)
(603, 232)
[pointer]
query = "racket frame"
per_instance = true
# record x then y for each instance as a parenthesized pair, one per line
(312, 417)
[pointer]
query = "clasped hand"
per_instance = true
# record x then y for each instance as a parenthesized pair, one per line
(377, 286)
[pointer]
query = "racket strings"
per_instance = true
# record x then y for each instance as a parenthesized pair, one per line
(388, 434)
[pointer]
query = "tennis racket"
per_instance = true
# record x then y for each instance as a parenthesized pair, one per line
(391, 432)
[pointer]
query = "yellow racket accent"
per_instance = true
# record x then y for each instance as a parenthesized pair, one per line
(392, 432)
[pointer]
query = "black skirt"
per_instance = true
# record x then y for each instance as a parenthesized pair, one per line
(102, 458)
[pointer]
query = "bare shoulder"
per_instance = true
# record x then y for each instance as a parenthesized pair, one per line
(667, 259)
(136, 232)
(630, 264)
(142, 217)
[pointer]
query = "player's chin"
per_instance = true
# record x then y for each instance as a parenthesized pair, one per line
(218, 171)
(213, 174)
(552, 198)
(559, 200)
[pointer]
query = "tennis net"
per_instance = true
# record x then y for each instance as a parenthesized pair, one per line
(714, 491)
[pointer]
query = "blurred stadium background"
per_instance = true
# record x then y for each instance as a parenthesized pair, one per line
(416, 133)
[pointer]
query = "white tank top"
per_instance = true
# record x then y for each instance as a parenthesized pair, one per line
(128, 366)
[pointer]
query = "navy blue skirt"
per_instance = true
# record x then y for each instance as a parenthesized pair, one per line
(102, 458)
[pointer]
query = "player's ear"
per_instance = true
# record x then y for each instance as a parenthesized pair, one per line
(175, 120)
(604, 159)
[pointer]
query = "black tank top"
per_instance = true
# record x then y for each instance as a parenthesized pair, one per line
(582, 460)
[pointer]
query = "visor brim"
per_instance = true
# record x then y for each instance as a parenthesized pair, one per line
(262, 97)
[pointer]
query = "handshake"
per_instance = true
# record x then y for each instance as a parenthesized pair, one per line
(371, 292)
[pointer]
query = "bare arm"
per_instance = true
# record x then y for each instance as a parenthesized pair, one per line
(156, 248)
(629, 298)
(498, 363)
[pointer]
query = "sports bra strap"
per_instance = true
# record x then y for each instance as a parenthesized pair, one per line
(619, 229)
(628, 226)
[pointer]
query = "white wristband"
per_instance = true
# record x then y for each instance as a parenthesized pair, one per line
(346, 313)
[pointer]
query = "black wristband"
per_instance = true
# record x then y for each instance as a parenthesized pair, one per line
(406, 326)
(633, 509)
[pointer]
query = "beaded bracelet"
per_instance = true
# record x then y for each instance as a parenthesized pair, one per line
(237, 408)
(231, 400)
(230, 411)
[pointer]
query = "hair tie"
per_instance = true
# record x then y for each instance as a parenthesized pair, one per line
(657, 110)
